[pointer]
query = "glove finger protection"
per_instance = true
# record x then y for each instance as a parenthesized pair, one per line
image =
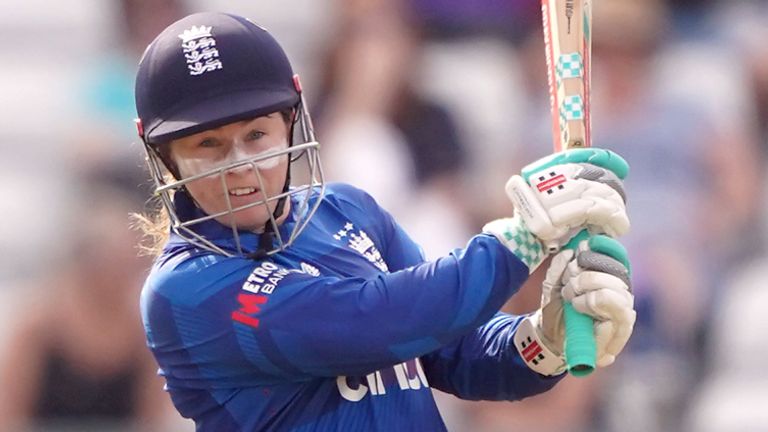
(599, 286)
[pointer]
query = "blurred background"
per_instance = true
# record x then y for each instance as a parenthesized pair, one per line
(429, 105)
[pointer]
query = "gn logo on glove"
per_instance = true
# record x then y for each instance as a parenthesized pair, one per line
(548, 184)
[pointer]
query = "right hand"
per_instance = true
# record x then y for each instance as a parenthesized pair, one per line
(560, 195)
(595, 279)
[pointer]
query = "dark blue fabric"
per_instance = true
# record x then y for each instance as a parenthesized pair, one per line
(327, 334)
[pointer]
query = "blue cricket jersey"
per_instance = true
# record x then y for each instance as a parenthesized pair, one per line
(346, 330)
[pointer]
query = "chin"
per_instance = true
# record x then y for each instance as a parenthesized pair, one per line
(251, 219)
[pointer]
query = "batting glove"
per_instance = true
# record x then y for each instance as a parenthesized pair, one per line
(558, 196)
(595, 279)
(572, 190)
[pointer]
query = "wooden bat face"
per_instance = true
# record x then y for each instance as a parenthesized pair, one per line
(567, 36)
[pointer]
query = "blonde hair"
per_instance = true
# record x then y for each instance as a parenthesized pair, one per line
(154, 224)
(155, 228)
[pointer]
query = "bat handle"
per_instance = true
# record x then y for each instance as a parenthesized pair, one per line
(580, 345)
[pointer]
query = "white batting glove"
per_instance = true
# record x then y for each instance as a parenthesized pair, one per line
(558, 196)
(597, 285)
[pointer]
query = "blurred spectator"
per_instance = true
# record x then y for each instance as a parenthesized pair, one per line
(742, 26)
(702, 188)
(471, 65)
(507, 19)
(70, 75)
(106, 91)
(693, 182)
(733, 395)
(76, 357)
(380, 134)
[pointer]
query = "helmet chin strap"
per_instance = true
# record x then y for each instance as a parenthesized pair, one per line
(267, 238)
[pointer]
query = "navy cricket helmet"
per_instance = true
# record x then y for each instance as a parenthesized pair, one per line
(208, 70)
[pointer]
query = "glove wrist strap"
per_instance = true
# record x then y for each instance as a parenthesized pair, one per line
(513, 234)
(535, 352)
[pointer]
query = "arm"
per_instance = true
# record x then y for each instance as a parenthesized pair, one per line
(321, 326)
(486, 365)
(514, 357)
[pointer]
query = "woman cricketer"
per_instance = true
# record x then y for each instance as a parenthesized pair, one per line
(280, 307)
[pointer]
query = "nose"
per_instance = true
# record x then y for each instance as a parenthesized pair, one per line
(246, 167)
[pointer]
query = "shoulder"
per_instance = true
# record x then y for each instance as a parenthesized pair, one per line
(214, 292)
(345, 195)
(194, 280)
(187, 278)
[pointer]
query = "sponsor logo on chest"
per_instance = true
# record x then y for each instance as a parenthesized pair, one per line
(261, 283)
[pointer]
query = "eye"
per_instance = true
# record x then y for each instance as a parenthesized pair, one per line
(254, 135)
(208, 142)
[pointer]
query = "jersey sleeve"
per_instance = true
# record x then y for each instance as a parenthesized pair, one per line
(208, 324)
(485, 365)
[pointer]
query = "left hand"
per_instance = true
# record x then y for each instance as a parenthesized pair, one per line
(564, 193)
(597, 285)
(560, 195)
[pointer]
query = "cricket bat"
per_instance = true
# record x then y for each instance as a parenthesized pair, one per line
(568, 41)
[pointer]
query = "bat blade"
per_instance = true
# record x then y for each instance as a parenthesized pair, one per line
(568, 41)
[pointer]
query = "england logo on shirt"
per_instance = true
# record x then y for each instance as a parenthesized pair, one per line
(362, 243)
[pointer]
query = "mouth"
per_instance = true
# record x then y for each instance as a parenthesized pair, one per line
(243, 191)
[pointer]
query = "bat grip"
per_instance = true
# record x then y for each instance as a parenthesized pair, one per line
(580, 345)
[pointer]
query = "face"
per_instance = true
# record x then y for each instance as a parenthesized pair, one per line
(213, 150)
